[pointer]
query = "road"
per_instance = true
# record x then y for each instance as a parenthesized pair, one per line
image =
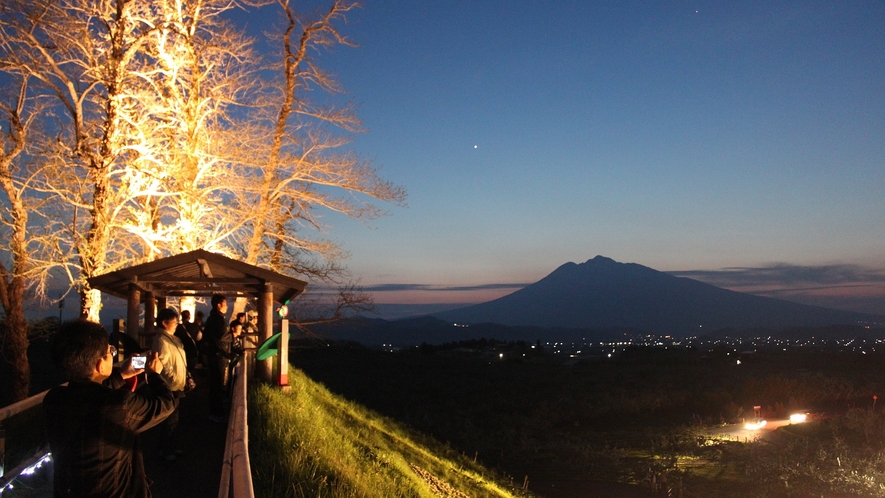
(738, 432)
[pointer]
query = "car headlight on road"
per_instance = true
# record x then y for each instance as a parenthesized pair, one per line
(755, 425)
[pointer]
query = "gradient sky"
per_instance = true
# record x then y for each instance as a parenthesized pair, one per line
(741, 143)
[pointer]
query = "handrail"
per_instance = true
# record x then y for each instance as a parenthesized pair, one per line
(7, 476)
(236, 472)
(26, 467)
(20, 406)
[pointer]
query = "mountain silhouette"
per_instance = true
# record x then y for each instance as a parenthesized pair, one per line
(602, 293)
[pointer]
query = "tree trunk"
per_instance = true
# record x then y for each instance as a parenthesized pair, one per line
(90, 305)
(16, 346)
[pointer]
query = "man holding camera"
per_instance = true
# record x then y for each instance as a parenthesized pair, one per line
(93, 422)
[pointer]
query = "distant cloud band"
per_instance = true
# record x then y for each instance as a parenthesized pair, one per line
(438, 288)
(782, 274)
(776, 275)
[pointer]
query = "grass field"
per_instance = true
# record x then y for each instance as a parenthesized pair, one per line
(635, 419)
(309, 442)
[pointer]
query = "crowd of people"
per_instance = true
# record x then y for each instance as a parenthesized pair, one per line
(93, 422)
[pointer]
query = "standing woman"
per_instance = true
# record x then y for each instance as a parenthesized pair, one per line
(171, 353)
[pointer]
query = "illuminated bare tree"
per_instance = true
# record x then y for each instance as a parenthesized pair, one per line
(305, 166)
(166, 137)
(24, 225)
(17, 269)
(76, 53)
(140, 91)
(194, 66)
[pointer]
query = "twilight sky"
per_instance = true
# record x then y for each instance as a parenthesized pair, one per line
(739, 143)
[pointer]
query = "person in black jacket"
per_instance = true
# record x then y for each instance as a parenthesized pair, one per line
(188, 342)
(92, 423)
(215, 334)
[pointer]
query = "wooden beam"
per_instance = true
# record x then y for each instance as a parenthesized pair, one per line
(205, 271)
(142, 286)
(198, 280)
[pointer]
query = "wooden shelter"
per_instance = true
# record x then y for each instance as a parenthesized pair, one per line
(198, 273)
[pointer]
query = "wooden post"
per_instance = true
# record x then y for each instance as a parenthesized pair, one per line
(118, 327)
(132, 311)
(264, 369)
(150, 316)
(150, 313)
(283, 355)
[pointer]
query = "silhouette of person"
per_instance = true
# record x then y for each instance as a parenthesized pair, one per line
(92, 423)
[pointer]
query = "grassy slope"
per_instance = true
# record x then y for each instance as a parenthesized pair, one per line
(617, 420)
(311, 443)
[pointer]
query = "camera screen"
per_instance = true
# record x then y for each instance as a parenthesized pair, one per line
(138, 361)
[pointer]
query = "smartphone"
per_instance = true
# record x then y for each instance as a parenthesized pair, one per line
(138, 362)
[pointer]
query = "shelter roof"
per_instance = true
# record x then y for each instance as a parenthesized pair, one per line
(198, 273)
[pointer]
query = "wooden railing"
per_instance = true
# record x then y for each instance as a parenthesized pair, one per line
(236, 473)
(40, 456)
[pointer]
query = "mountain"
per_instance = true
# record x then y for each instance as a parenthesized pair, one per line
(602, 293)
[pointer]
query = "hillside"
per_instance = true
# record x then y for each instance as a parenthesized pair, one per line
(602, 293)
(614, 421)
(311, 442)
